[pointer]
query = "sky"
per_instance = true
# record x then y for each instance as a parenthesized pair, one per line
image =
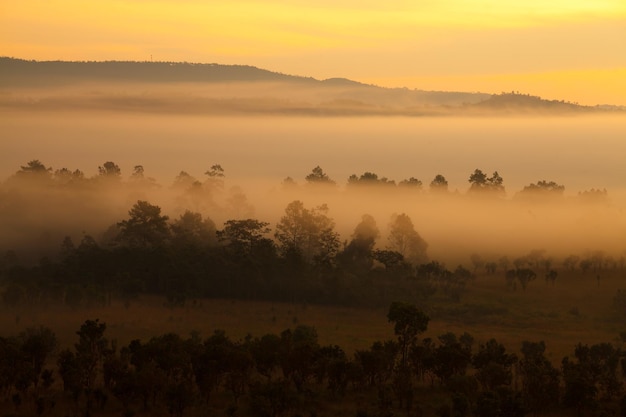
(573, 50)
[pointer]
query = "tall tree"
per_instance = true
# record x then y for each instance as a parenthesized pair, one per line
(409, 321)
(191, 228)
(110, 171)
(307, 233)
(479, 182)
(439, 184)
(357, 255)
(405, 240)
(35, 172)
(145, 227)
(318, 176)
(542, 189)
(540, 380)
(243, 235)
(493, 365)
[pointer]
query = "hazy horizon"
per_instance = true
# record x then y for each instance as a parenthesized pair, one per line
(259, 152)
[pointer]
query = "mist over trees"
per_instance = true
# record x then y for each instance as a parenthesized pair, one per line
(299, 256)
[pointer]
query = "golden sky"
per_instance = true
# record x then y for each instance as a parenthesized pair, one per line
(558, 49)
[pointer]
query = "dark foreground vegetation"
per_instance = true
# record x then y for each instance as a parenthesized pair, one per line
(292, 374)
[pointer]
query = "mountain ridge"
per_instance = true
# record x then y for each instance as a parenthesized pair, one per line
(281, 92)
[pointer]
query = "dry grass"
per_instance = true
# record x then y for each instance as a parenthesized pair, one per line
(575, 310)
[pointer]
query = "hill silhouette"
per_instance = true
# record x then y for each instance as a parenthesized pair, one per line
(142, 86)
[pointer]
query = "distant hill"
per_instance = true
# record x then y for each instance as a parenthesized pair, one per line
(210, 88)
(514, 101)
(23, 73)
(20, 72)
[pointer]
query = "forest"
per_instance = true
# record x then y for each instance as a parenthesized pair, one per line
(84, 254)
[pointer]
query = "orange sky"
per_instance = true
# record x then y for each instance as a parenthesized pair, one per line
(558, 49)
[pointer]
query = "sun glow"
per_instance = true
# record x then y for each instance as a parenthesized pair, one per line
(568, 42)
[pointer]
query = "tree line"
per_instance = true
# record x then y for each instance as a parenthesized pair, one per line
(479, 182)
(301, 260)
(291, 373)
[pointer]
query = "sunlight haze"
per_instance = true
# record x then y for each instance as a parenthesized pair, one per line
(571, 50)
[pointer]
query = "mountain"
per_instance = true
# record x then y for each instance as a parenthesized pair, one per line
(215, 88)
(21, 72)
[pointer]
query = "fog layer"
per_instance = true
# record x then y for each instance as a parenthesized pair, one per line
(257, 154)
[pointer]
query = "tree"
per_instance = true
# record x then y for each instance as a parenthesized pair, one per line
(243, 235)
(87, 362)
(540, 380)
(34, 171)
(146, 227)
(439, 184)
(392, 260)
(66, 177)
(216, 176)
(411, 183)
(91, 348)
(307, 233)
(37, 344)
(542, 189)
(357, 255)
(34, 167)
(453, 356)
(409, 321)
(299, 351)
(524, 276)
(592, 375)
(138, 173)
(378, 362)
(216, 171)
(479, 182)
(266, 354)
(594, 196)
(318, 176)
(110, 171)
(191, 228)
(139, 178)
(370, 178)
(405, 240)
(493, 365)
(184, 180)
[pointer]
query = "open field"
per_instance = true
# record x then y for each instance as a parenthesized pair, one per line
(576, 309)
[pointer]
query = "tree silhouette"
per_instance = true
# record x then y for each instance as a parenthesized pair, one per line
(146, 227)
(318, 176)
(357, 255)
(409, 322)
(439, 184)
(243, 234)
(110, 171)
(540, 380)
(411, 183)
(479, 182)
(405, 240)
(307, 233)
(191, 229)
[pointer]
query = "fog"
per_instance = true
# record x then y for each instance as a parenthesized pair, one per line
(258, 153)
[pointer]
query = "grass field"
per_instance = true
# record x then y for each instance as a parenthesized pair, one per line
(577, 309)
